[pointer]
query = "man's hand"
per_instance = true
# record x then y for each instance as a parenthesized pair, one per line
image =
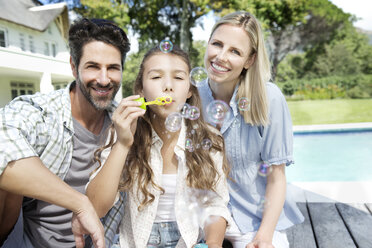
(87, 222)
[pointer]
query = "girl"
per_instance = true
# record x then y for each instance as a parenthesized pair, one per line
(154, 168)
(258, 132)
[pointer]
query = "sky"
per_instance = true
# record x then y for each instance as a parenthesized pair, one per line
(361, 8)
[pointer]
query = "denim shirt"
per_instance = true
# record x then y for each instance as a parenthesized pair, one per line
(246, 147)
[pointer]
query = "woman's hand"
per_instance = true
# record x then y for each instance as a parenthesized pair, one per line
(125, 119)
(260, 244)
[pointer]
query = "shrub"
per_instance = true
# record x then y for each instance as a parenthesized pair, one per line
(351, 86)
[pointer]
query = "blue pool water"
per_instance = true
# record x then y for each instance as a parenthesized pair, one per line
(337, 156)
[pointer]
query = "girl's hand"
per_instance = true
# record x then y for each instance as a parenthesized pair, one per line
(260, 244)
(125, 119)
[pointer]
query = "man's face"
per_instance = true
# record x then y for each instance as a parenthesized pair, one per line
(99, 73)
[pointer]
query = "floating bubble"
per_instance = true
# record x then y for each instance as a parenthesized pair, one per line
(264, 169)
(206, 144)
(217, 111)
(235, 123)
(193, 113)
(188, 144)
(184, 110)
(199, 204)
(264, 203)
(195, 126)
(244, 104)
(173, 122)
(198, 75)
(166, 46)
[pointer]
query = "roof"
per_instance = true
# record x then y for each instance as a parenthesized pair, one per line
(31, 14)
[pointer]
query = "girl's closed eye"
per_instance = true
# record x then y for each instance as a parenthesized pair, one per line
(217, 43)
(235, 52)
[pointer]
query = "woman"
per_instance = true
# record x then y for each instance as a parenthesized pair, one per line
(257, 132)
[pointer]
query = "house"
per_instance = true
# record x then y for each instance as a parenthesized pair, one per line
(34, 56)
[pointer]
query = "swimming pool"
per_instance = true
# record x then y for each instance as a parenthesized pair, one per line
(331, 156)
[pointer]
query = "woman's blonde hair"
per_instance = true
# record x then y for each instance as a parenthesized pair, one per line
(252, 83)
(202, 173)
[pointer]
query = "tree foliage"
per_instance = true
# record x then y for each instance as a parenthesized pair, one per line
(155, 20)
(114, 10)
(295, 25)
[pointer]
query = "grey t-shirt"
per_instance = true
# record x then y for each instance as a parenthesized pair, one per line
(48, 225)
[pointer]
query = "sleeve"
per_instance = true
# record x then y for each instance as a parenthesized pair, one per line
(218, 205)
(277, 145)
(22, 132)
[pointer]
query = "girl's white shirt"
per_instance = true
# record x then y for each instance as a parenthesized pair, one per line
(135, 228)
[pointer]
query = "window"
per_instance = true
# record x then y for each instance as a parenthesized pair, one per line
(50, 48)
(46, 48)
(54, 49)
(31, 41)
(20, 88)
(22, 42)
(60, 85)
(2, 38)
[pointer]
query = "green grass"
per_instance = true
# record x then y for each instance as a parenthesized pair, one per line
(330, 111)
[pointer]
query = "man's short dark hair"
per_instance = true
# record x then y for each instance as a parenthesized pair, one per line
(86, 30)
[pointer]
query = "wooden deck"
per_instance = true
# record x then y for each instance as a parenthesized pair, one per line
(333, 225)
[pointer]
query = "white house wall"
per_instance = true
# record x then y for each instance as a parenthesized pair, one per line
(25, 66)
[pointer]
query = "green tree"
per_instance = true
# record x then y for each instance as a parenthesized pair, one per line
(294, 25)
(197, 53)
(114, 10)
(348, 53)
(155, 20)
(131, 69)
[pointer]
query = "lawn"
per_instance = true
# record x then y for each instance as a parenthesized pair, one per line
(330, 111)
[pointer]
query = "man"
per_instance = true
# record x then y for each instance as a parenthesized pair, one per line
(47, 145)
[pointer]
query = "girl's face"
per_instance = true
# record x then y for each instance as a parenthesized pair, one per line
(166, 75)
(227, 54)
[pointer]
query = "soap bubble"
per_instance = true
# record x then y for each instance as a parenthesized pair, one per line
(198, 204)
(263, 204)
(264, 169)
(244, 104)
(166, 46)
(217, 111)
(188, 144)
(173, 122)
(206, 144)
(198, 75)
(235, 123)
(193, 113)
(184, 109)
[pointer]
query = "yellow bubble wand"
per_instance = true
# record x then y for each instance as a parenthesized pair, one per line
(161, 100)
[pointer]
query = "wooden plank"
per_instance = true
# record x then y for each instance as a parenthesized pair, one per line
(369, 206)
(301, 235)
(359, 222)
(330, 230)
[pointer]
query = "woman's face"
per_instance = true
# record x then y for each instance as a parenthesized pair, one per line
(166, 75)
(227, 54)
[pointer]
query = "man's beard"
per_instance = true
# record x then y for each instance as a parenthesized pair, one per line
(99, 103)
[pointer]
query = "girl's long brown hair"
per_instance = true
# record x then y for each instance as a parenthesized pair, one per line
(202, 172)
